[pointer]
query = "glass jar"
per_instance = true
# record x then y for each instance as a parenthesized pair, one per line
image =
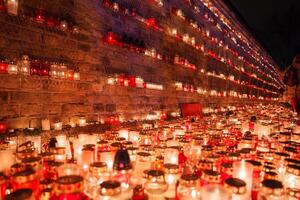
(26, 194)
(210, 177)
(12, 68)
(25, 179)
(24, 65)
(292, 177)
(54, 70)
(110, 190)
(172, 177)
(97, 174)
(69, 188)
(236, 189)
(189, 187)
(226, 171)
(271, 190)
(155, 186)
(216, 192)
(143, 162)
(292, 194)
(12, 7)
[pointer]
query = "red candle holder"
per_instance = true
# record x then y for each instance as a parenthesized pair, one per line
(25, 179)
(70, 74)
(3, 67)
(40, 16)
(132, 81)
(2, 6)
(3, 128)
(44, 69)
(35, 67)
(3, 185)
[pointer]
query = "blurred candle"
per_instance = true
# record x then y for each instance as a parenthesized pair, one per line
(171, 156)
(108, 158)
(123, 133)
(244, 171)
(45, 124)
(214, 192)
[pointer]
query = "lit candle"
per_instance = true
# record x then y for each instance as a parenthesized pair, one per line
(108, 158)
(58, 126)
(7, 159)
(215, 192)
(244, 171)
(87, 158)
(12, 7)
(45, 124)
(82, 122)
(123, 133)
(171, 156)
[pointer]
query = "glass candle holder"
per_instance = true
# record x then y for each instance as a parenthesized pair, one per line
(292, 176)
(54, 70)
(244, 171)
(171, 156)
(108, 158)
(12, 7)
(59, 154)
(143, 162)
(69, 188)
(271, 190)
(87, 158)
(97, 174)
(210, 177)
(110, 190)
(189, 187)
(216, 192)
(12, 68)
(292, 194)
(69, 169)
(236, 189)
(172, 177)
(76, 76)
(25, 179)
(155, 186)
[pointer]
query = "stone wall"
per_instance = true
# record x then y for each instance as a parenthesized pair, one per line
(24, 100)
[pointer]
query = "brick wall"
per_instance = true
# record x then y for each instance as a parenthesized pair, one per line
(24, 100)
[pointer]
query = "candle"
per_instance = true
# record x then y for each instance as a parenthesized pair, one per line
(108, 158)
(87, 157)
(82, 122)
(12, 7)
(45, 124)
(215, 192)
(7, 159)
(58, 126)
(244, 171)
(171, 176)
(123, 133)
(171, 156)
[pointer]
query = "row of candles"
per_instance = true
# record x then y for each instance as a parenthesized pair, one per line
(216, 157)
(179, 86)
(151, 22)
(25, 66)
(39, 16)
(233, 34)
(113, 39)
(133, 81)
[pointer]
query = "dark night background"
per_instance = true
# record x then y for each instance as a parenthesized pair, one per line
(275, 23)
